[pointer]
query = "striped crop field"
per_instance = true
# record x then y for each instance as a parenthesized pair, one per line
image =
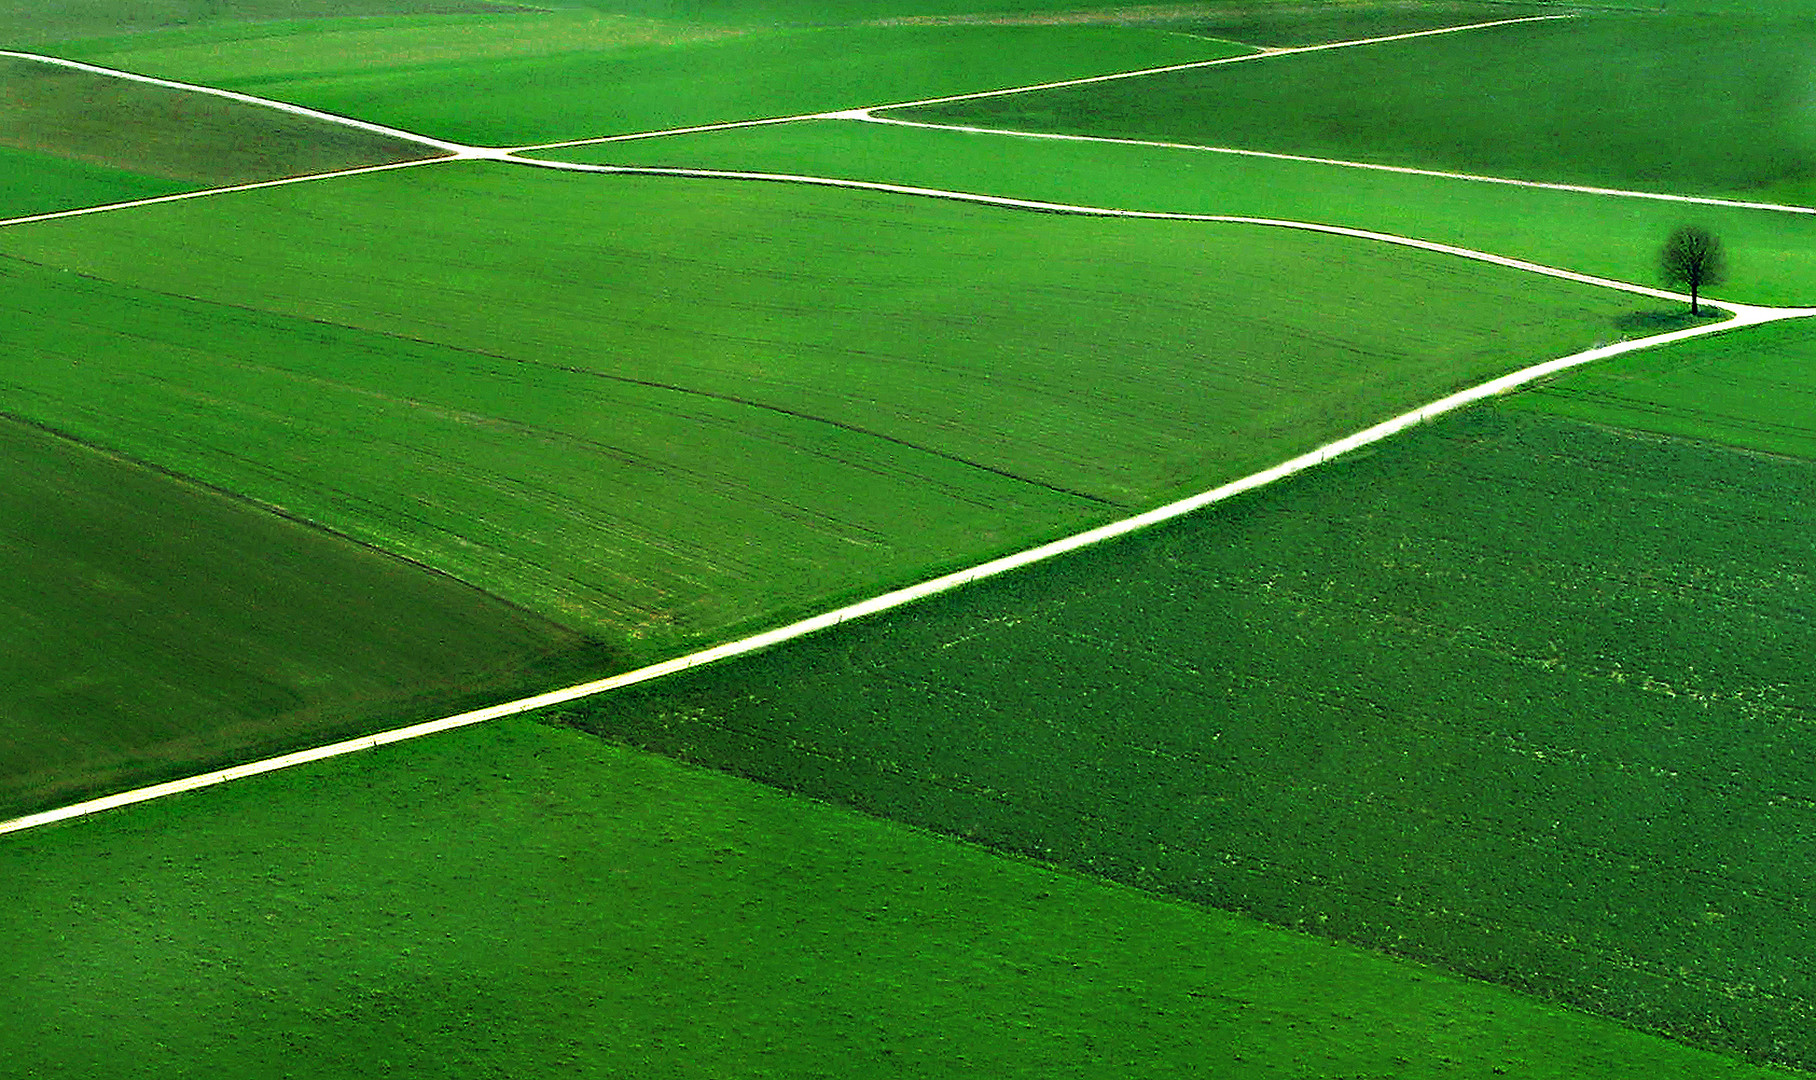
(656, 411)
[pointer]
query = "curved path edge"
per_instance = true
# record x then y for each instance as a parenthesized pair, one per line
(1744, 316)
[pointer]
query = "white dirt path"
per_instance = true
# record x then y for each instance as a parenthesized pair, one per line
(844, 114)
(1746, 316)
(455, 149)
(866, 116)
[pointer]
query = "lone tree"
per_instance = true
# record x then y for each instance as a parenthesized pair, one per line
(1692, 257)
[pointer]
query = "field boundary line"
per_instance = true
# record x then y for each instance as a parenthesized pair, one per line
(844, 114)
(865, 116)
(1080, 210)
(1745, 315)
(457, 149)
(53, 215)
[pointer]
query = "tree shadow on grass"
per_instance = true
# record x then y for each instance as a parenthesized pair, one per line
(1665, 320)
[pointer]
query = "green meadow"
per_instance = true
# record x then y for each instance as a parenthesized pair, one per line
(523, 900)
(1690, 105)
(1772, 255)
(658, 411)
(37, 183)
(1510, 693)
(154, 627)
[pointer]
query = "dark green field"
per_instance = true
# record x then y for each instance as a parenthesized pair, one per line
(154, 627)
(1700, 106)
(517, 900)
(661, 410)
(176, 135)
(1511, 693)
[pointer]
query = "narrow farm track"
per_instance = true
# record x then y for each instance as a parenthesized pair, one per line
(868, 116)
(1743, 316)
(1747, 314)
(1258, 54)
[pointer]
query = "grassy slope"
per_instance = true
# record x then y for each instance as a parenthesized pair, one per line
(1772, 256)
(1757, 391)
(584, 93)
(174, 134)
(622, 380)
(1510, 693)
(33, 183)
(153, 627)
(517, 900)
(1691, 105)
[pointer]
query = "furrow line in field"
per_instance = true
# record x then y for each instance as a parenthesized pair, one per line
(205, 192)
(1744, 316)
(866, 116)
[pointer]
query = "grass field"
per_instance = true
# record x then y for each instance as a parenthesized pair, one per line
(519, 900)
(580, 94)
(1689, 105)
(153, 627)
(658, 433)
(118, 125)
(1772, 255)
(1512, 693)
(1756, 391)
(34, 183)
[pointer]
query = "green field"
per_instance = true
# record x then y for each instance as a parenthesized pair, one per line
(154, 627)
(518, 900)
(34, 183)
(174, 134)
(1756, 391)
(1772, 256)
(1700, 106)
(1514, 695)
(658, 411)
(580, 94)
(1517, 695)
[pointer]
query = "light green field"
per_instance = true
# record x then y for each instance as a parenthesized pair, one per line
(34, 183)
(1772, 256)
(658, 410)
(1756, 390)
(518, 900)
(116, 125)
(1692, 105)
(154, 628)
(491, 99)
